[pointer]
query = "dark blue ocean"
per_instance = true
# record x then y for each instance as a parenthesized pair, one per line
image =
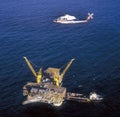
(27, 29)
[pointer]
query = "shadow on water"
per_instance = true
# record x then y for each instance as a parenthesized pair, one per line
(31, 110)
(74, 109)
(41, 111)
(68, 109)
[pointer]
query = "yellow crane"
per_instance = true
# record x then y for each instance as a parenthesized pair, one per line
(38, 75)
(55, 71)
(66, 68)
(58, 78)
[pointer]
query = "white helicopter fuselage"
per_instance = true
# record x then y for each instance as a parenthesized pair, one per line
(71, 22)
(68, 20)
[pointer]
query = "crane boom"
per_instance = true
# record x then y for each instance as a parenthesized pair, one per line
(30, 66)
(66, 68)
(56, 79)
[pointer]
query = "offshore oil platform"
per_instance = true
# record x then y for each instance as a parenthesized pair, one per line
(48, 87)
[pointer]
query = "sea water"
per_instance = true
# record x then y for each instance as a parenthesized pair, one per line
(27, 29)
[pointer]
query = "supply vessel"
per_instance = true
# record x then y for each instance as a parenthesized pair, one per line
(48, 87)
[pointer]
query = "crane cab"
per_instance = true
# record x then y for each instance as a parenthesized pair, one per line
(49, 73)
